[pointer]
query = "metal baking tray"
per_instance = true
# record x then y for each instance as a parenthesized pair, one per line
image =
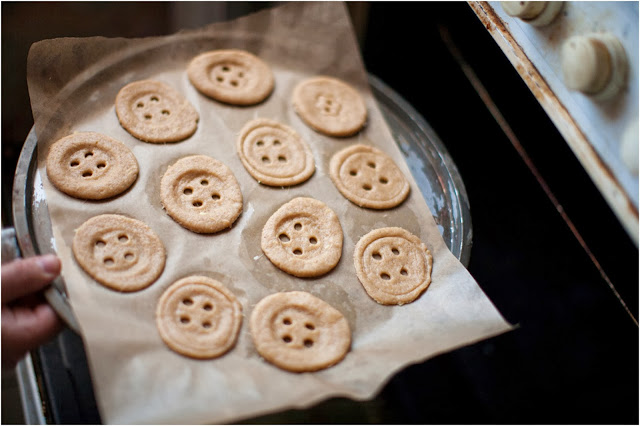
(431, 166)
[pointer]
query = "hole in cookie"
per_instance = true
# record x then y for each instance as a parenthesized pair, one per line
(220, 79)
(74, 164)
(128, 256)
(88, 154)
(197, 204)
(240, 74)
(101, 165)
(234, 83)
(286, 321)
(187, 301)
(140, 105)
(266, 159)
(123, 238)
(87, 174)
(297, 226)
(284, 238)
(277, 143)
(282, 159)
(109, 261)
(215, 197)
(100, 243)
(395, 251)
(185, 320)
(385, 276)
(286, 339)
(376, 256)
(226, 68)
(147, 116)
(404, 272)
(308, 343)
(366, 187)
(310, 326)
(187, 191)
(165, 112)
(207, 307)
(313, 240)
(154, 99)
(384, 180)
(260, 143)
(206, 324)
(371, 164)
(327, 109)
(297, 252)
(204, 182)
(353, 173)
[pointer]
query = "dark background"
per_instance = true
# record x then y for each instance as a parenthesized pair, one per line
(573, 358)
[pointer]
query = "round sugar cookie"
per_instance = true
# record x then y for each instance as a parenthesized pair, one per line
(393, 265)
(91, 166)
(231, 76)
(199, 317)
(155, 112)
(119, 252)
(303, 238)
(299, 332)
(274, 154)
(330, 106)
(368, 177)
(201, 194)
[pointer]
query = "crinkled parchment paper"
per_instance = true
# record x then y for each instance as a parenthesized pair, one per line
(137, 379)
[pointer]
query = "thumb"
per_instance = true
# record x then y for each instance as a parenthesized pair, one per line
(26, 276)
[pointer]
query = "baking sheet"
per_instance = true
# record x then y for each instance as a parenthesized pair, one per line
(137, 379)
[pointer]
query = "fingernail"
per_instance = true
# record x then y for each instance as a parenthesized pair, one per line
(49, 264)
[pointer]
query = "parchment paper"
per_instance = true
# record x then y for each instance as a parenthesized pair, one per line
(137, 379)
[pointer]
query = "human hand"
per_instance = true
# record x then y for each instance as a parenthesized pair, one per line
(28, 320)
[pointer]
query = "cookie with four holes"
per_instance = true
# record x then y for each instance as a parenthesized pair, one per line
(155, 112)
(232, 76)
(368, 177)
(199, 317)
(299, 332)
(91, 166)
(274, 154)
(393, 265)
(119, 252)
(303, 238)
(201, 194)
(330, 106)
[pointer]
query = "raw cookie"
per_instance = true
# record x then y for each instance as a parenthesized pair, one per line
(274, 154)
(198, 317)
(368, 177)
(330, 106)
(298, 332)
(303, 238)
(201, 194)
(91, 166)
(393, 265)
(232, 76)
(155, 112)
(119, 252)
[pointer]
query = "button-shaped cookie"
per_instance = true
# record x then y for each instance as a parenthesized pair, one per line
(299, 332)
(232, 76)
(119, 252)
(330, 106)
(303, 238)
(155, 112)
(201, 194)
(368, 177)
(199, 317)
(393, 265)
(91, 166)
(274, 154)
